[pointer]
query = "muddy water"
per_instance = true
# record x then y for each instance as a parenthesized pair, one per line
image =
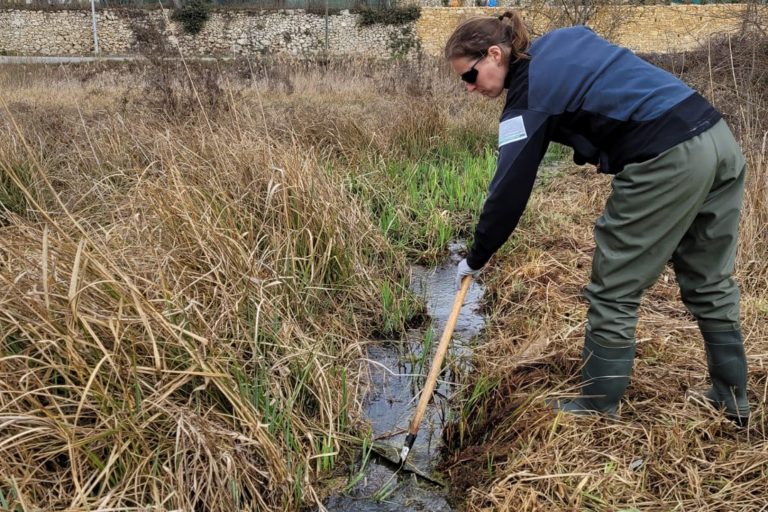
(397, 372)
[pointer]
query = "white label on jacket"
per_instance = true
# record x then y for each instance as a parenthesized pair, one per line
(512, 130)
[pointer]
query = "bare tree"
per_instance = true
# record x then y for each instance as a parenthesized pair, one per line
(607, 16)
(755, 17)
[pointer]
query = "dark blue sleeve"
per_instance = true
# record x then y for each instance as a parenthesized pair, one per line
(511, 186)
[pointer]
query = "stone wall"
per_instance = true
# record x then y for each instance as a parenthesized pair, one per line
(295, 32)
(47, 33)
(649, 28)
(226, 33)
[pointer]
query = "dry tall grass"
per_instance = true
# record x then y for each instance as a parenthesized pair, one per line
(189, 278)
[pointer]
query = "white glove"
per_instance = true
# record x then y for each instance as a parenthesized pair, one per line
(462, 270)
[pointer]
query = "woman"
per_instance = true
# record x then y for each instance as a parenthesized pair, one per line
(677, 189)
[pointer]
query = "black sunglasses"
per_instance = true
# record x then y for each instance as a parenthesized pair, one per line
(470, 76)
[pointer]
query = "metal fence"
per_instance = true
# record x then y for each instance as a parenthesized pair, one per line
(306, 4)
(311, 5)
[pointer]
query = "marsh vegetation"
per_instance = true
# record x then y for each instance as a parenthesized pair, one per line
(195, 258)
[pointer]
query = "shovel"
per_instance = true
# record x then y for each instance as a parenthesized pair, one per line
(434, 372)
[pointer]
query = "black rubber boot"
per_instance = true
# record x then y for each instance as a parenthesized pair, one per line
(727, 364)
(605, 376)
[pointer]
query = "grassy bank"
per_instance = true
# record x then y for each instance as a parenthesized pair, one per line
(193, 263)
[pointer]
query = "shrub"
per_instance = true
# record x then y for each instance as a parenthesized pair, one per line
(390, 16)
(402, 41)
(192, 16)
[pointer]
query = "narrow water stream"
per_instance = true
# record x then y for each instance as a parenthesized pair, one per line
(397, 374)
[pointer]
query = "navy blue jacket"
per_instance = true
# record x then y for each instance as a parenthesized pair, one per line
(577, 89)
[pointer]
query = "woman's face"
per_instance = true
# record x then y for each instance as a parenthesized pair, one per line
(491, 70)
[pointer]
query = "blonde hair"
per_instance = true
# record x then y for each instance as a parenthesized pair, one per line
(473, 37)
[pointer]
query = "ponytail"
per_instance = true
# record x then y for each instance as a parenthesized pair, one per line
(516, 31)
(473, 37)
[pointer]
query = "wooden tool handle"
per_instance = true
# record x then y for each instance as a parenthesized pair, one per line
(437, 362)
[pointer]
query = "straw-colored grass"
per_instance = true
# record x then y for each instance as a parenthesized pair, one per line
(193, 261)
(184, 342)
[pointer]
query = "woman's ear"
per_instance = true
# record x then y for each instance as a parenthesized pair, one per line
(496, 53)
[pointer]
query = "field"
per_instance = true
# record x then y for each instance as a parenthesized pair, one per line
(195, 257)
